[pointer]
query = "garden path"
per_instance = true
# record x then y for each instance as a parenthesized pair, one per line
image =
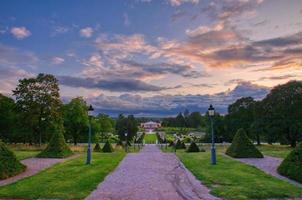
(34, 165)
(151, 175)
(269, 165)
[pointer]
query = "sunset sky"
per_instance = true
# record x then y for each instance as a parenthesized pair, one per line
(153, 57)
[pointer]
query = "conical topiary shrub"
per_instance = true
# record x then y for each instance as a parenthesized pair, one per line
(107, 147)
(193, 147)
(171, 143)
(180, 145)
(291, 166)
(9, 165)
(97, 148)
(57, 148)
(242, 147)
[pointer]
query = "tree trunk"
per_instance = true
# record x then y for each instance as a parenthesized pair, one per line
(75, 141)
(258, 139)
(293, 143)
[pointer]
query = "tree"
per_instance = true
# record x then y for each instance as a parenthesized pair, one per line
(106, 125)
(195, 120)
(126, 125)
(180, 120)
(219, 128)
(38, 102)
(283, 111)
(75, 119)
(7, 118)
(240, 115)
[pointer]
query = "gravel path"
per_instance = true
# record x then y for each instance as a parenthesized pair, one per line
(269, 165)
(150, 175)
(34, 165)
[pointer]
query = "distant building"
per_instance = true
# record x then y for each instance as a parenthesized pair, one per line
(149, 126)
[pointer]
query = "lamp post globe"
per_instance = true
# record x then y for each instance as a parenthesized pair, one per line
(211, 112)
(88, 159)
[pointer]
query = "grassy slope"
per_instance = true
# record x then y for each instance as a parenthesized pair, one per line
(25, 154)
(69, 180)
(231, 179)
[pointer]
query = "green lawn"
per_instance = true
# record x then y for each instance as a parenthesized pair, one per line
(69, 180)
(25, 154)
(280, 151)
(150, 138)
(231, 179)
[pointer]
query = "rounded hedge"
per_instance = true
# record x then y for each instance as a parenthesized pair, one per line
(107, 147)
(97, 148)
(242, 147)
(57, 148)
(9, 165)
(193, 147)
(291, 166)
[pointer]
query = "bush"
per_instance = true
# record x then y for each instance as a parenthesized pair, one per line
(291, 166)
(193, 147)
(187, 139)
(107, 147)
(97, 148)
(171, 143)
(57, 148)
(180, 145)
(242, 147)
(9, 165)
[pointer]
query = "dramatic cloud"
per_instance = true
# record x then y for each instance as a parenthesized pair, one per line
(114, 85)
(163, 105)
(118, 58)
(86, 32)
(222, 46)
(20, 32)
(230, 9)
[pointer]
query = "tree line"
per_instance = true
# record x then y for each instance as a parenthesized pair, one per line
(276, 118)
(37, 112)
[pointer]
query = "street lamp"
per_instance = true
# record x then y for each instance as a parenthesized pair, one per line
(211, 112)
(126, 147)
(88, 160)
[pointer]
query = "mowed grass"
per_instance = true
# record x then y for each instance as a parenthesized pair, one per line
(280, 151)
(231, 179)
(150, 138)
(25, 154)
(69, 180)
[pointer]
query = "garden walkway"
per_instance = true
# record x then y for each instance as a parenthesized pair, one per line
(269, 165)
(34, 165)
(150, 174)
